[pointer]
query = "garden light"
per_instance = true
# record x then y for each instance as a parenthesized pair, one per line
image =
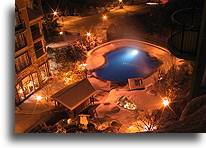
(165, 102)
(39, 98)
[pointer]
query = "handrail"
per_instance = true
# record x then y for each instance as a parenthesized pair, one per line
(184, 43)
(188, 17)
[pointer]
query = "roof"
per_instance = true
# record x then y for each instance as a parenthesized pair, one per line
(73, 95)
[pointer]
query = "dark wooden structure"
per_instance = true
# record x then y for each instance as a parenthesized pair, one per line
(77, 97)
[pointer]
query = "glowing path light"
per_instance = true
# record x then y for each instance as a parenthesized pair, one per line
(39, 98)
(149, 128)
(88, 34)
(165, 102)
(104, 17)
(55, 13)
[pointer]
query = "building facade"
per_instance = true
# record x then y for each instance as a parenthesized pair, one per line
(31, 60)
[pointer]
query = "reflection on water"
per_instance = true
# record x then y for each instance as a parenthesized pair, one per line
(127, 62)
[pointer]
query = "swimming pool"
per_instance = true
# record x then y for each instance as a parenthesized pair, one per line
(127, 62)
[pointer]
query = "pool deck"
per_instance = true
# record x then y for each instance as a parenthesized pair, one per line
(108, 98)
(96, 57)
(108, 102)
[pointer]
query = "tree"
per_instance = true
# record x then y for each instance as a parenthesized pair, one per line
(174, 83)
(50, 27)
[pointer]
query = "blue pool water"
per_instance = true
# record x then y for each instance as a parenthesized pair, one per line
(127, 62)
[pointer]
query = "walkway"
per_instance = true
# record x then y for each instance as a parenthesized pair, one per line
(33, 112)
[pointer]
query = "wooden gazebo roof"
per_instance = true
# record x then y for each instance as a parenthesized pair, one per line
(73, 95)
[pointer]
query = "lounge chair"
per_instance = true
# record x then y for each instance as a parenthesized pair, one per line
(136, 84)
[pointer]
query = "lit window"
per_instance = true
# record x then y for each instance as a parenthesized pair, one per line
(44, 72)
(20, 41)
(35, 80)
(28, 85)
(22, 62)
(20, 92)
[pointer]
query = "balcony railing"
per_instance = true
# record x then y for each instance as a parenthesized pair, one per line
(23, 66)
(187, 18)
(183, 42)
(20, 44)
(21, 27)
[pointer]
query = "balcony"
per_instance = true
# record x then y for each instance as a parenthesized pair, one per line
(21, 27)
(19, 46)
(23, 63)
(20, 42)
(22, 67)
(187, 18)
(183, 42)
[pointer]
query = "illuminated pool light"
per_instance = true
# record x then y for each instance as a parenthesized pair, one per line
(134, 52)
(127, 62)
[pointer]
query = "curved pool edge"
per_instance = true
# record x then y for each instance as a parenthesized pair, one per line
(115, 41)
(121, 42)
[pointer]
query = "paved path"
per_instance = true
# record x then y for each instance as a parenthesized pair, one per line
(32, 112)
(95, 23)
(125, 25)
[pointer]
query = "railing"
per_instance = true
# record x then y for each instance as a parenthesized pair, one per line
(20, 44)
(183, 42)
(187, 18)
(22, 66)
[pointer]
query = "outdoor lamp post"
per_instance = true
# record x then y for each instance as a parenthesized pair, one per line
(120, 4)
(165, 102)
(104, 17)
(39, 98)
(61, 33)
(88, 34)
(55, 13)
(89, 40)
